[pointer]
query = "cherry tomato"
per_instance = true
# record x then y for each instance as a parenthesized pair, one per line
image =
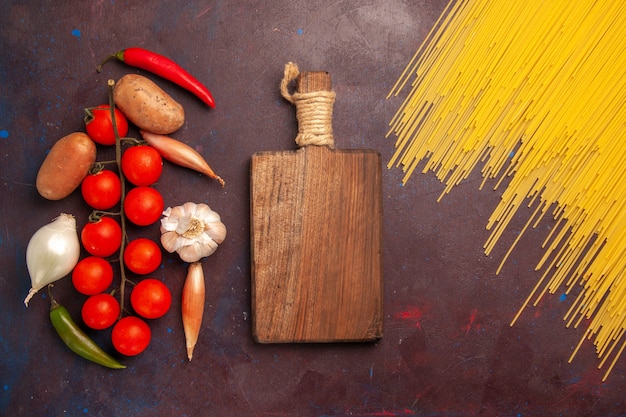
(102, 190)
(142, 256)
(92, 275)
(100, 311)
(131, 336)
(151, 298)
(143, 205)
(142, 165)
(99, 127)
(102, 238)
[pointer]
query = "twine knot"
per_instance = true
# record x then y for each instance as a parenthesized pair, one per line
(314, 111)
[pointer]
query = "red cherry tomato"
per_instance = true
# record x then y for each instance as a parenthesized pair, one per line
(102, 190)
(92, 275)
(143, 205)
(131, 336)
(99, 127)
(100, 311)
(142, 165)
(142, 256)
(102, 238)
(151, 298)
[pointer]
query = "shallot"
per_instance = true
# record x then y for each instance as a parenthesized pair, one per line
(180, 153)
(52, 252)
(193, 305)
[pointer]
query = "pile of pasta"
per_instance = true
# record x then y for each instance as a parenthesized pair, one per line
(533, 92)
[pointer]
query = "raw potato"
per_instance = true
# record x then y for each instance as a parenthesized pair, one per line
(65, 166)
(146, 105)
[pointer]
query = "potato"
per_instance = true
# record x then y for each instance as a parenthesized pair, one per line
(65, 166)
(146, 105)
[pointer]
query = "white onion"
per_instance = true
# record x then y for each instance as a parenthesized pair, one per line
(52, 253)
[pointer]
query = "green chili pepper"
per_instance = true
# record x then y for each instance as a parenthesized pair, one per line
(76, 339)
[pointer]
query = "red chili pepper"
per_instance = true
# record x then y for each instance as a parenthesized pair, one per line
(163, 67)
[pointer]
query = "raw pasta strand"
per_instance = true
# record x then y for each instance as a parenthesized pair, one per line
(533, 92)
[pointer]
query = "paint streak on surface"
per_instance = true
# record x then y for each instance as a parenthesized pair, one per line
(412, 314)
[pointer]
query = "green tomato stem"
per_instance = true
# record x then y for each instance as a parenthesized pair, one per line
(118, 160)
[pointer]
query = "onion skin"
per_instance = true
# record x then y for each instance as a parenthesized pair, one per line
(193, 305)
(180, 153)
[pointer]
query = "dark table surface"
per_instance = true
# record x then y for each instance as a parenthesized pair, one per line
(447, 350)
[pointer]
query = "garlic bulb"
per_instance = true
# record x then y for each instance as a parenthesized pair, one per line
(52, 253)
(192, 230)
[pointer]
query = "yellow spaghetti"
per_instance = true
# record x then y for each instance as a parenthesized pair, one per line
(535, 92)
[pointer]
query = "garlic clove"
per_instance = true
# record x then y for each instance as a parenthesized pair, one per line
(196, 251)
(216, 231)
(204, 211)
(169, 241)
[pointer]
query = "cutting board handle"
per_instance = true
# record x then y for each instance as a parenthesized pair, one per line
(314, 99)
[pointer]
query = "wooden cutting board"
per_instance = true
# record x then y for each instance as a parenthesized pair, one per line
(316, 238)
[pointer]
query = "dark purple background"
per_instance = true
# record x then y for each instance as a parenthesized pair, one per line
(447, 350)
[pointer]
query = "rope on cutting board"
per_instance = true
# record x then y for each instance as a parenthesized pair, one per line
(314, 111)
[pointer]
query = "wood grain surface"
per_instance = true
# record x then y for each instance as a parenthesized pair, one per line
(316, 233)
